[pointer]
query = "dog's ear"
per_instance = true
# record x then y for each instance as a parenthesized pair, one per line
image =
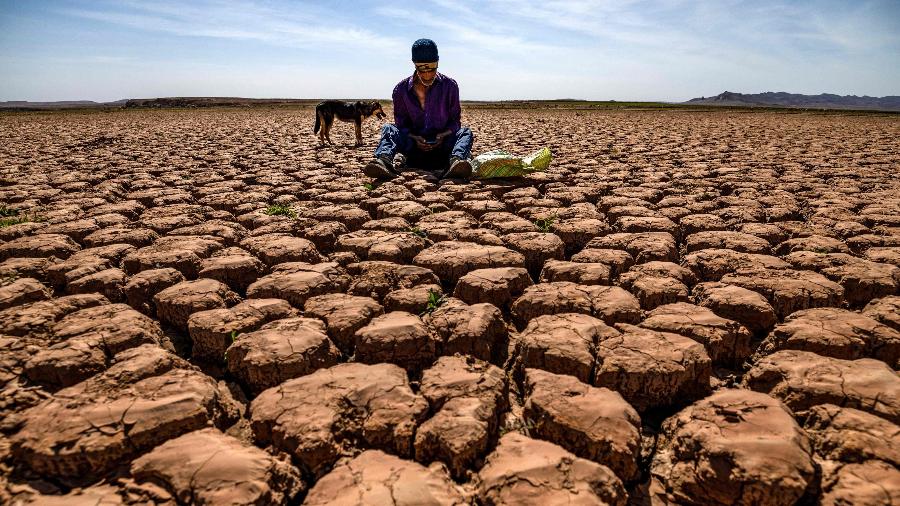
(358, 104)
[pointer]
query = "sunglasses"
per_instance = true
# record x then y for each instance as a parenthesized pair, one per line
(426, 67)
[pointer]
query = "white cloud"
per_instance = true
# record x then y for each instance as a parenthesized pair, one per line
(494, 39)
(496, 49)
(300, 27)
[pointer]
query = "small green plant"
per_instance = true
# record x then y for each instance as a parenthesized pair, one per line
(13, 220)
(521, 426)
(9, 216)
(234, 334)
(281, 210)
(545, 224)
(435, 300)
(8, 279)
(417, 231)
(369, 187)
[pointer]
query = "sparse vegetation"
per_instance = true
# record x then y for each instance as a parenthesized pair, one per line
(10, 216)
(7, 279)
(520, 425)
(234, 334)
(13, 220)
(435, 300)
(545, 224)
(369, 187)
(418, 231)
(281, 210)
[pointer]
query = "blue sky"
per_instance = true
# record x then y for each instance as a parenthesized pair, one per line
(496, 49)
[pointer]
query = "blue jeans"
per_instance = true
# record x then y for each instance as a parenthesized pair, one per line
(393, 141)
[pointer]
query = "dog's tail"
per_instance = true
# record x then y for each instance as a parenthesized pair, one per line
(316, 128)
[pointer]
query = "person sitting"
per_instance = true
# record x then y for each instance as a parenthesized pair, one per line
(427, 132)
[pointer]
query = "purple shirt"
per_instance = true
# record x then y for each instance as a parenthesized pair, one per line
(441, 111)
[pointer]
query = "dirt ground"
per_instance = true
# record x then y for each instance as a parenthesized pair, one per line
(688, 307)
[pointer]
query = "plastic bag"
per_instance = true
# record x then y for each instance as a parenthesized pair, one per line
(499, 163)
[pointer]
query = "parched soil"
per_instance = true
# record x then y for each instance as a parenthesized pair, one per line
(688, 307)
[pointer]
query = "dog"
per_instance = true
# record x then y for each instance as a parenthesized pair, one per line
(356, 112)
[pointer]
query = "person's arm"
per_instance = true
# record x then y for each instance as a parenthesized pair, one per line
(454, 120)
(401, 116)
(402, 119)
(446, 133)
(454, 112)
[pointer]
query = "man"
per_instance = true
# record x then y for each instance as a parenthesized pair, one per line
(427, 132)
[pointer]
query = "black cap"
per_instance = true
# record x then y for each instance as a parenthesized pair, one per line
(424, 51)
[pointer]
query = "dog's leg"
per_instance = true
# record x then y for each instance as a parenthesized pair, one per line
(320, 128)
(330, 125)
(358, 124)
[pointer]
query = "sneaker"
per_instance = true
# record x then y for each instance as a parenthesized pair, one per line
(379, 168)
(399, 163)
(459, 169)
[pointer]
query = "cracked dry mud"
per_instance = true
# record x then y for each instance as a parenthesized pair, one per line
(688, 307)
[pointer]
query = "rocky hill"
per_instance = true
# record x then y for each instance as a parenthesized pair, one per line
(783, 99)
(25, 105)
(155, 103)
(166, 102)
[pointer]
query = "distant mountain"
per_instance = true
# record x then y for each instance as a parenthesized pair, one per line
(783, 99)
(24, 105)
(166, 102)
(767, 99)
(154, 103)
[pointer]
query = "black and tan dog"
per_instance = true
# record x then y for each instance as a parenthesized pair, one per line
(354, 112)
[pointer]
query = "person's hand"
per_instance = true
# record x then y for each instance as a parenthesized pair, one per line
(421, 144)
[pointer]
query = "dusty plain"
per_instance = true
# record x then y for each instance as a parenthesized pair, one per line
(688, 307)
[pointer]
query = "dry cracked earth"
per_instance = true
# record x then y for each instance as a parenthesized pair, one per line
(689, 307)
